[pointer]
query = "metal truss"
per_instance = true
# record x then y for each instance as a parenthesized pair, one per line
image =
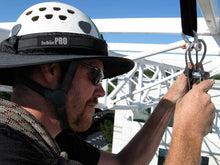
(149, 80)
(141, 88)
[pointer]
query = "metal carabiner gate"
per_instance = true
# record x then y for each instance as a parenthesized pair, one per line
(196, 74)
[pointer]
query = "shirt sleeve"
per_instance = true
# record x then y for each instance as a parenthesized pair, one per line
(77, 148)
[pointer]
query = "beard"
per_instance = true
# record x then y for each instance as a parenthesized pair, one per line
(85, 117)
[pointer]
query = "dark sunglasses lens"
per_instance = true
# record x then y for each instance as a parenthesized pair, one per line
(98, 76)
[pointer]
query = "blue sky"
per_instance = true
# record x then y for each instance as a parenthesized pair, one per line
(11, 9)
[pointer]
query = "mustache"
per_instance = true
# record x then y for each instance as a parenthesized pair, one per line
(93, 101)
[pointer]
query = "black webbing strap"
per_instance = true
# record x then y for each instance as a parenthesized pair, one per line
(65, 86)
(58, 96)
(188, 16)
(67, 80)
(54, 43)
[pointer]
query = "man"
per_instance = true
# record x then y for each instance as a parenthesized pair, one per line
(55, 59)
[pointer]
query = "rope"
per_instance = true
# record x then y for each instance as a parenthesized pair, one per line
(21, 120)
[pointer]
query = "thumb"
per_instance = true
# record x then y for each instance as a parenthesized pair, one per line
(205, 85)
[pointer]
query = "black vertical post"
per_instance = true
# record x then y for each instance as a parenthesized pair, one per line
(188, 16)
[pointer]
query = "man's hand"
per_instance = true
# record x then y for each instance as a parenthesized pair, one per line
(193, 119)
(180, 86)
(195, 112)
(177, 90)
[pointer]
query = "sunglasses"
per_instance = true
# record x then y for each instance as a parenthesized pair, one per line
(97, 74)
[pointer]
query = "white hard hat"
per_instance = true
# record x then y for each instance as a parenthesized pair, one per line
(54, 32)
(55, 17)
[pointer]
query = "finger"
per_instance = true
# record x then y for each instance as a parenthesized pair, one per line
(212, 106)
(212, 120)
(207, 75)
(201, 67)
(182, 77)
(212, 114)
(189, 65)
(208, 128)
(205, 85)
(188, 69)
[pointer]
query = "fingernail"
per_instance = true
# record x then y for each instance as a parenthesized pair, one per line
(213, 81)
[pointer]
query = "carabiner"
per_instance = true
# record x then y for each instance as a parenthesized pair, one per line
(195, 75)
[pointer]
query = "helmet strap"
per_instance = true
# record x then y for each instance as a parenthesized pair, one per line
(58, 96)
(65, 86)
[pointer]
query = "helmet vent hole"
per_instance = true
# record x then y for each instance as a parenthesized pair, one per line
(42, 8)
(48, 16)
(35, 18)
(28, 13)
(56, 8)
(62, 17)
(70, 11)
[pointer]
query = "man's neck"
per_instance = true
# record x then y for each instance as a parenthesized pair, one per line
(39, 107)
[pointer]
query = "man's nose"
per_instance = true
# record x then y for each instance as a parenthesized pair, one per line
(99, 91)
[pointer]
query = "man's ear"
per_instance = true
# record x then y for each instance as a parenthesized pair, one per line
(51, 73)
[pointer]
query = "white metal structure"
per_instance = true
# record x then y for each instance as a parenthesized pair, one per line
(156, 68)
